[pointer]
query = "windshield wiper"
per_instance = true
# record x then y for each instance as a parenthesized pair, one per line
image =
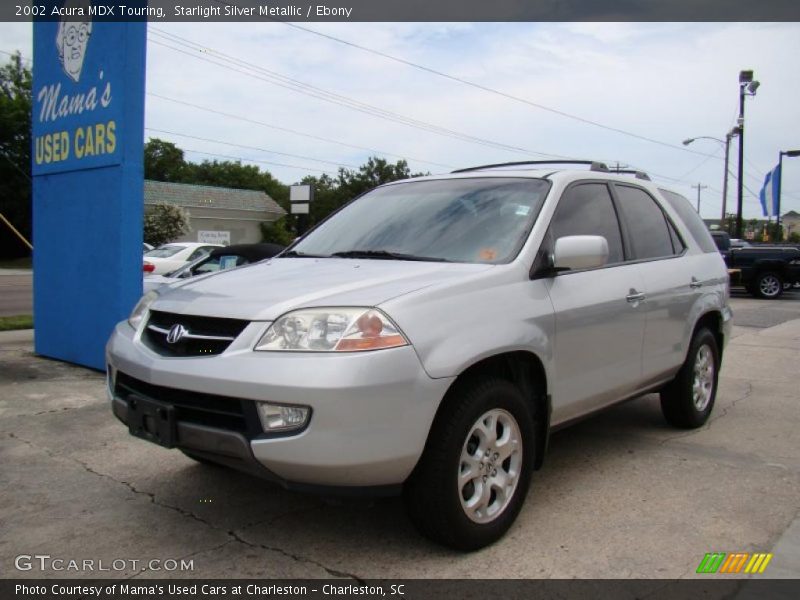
(385, 255)
(296, 254)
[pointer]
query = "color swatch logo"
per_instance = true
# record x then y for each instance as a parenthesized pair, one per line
(735, 562)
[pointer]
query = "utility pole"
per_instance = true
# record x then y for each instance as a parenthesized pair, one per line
(699, 187)
(747, 87)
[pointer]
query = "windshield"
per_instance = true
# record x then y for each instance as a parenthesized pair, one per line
(475, 220)
(165, 251)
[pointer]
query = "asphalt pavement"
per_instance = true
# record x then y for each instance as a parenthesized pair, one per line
(621, 495)
(16, 292)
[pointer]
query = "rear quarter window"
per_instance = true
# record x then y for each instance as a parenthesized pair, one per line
(697, 229)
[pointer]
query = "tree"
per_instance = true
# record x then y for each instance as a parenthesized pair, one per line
(164, 223)
(163, 161)
(15, 154)
(331, 194)
(276, 232)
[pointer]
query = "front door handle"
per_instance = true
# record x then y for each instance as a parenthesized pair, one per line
(635, 297)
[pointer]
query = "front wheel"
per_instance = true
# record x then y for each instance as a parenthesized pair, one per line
(688, 399)
(475, 471)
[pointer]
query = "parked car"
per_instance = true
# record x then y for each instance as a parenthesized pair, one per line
(218, 259)
(765, 271)
(169, 257)
(428, 337)
(146, 247)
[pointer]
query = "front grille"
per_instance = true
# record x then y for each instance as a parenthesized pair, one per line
(204, 336)
(221, 412)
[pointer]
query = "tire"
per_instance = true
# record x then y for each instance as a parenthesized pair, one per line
(452, 510)
(768, 285)
(687, 401)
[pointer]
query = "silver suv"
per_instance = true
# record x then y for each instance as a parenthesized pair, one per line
(428, 337)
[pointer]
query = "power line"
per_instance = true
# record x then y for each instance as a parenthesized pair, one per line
(266, 162)
(17, 53)
(295, 132)
(279, 80)
(486, 88)
(195, 137)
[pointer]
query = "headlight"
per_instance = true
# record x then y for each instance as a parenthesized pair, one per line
(141, 308)
(332, 330)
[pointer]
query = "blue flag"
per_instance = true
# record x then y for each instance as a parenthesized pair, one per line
(769, 192)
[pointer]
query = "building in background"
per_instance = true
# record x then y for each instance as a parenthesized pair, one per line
(217, 214)
(791, 223)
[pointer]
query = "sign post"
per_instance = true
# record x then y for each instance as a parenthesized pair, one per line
(301, 196)
(88, 177)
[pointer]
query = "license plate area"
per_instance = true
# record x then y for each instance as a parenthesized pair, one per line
(151, 420)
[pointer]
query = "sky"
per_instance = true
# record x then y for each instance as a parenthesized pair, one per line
(661, 81)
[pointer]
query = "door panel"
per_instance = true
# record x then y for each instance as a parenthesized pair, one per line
(599, 334)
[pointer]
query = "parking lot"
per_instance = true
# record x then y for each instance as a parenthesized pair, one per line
(621, 494)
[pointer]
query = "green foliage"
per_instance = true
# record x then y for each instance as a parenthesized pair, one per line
(331, 194)
(16, 322)
(15, 154)
(164, 223)
(277, 232)
(163, 161)
(794, 238)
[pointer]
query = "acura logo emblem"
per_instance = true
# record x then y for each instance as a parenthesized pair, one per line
(176, 333)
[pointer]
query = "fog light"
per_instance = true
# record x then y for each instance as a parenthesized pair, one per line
(275, 417)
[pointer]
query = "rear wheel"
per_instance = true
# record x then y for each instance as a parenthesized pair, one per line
(687, 401)
(768, 285)
(475, 471)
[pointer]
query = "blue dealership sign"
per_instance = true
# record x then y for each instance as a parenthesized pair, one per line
(87, 154)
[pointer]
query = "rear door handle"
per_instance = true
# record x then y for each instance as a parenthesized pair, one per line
(634, 297)
(695, 284)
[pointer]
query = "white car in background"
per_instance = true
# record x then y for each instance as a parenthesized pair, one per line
(169, 257)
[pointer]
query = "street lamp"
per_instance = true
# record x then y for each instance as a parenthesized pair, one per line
(747, 87)
(781, 154)
(727, 143)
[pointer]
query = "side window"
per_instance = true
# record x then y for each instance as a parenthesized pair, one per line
(692, 220)
(587, 209)
(647, 225)
(677, 245)
(196, 254)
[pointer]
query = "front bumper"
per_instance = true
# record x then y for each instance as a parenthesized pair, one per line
(370, 411)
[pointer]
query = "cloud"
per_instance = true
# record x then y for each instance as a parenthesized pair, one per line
(667, 81)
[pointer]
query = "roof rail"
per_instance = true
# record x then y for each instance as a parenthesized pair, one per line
(638, 174)
(594, 165)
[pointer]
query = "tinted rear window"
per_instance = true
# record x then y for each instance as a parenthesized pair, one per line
(692, 220)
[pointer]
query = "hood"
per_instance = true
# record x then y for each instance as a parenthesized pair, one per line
(266, 290)
(152, 282)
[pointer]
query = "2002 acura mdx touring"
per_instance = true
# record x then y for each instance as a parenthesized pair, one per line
(427, 338)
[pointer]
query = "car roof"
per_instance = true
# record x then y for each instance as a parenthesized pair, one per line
(542, 169)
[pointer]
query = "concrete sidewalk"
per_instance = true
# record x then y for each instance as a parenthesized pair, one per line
(621, 495)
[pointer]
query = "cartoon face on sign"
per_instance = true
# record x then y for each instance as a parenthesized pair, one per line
(72, 38)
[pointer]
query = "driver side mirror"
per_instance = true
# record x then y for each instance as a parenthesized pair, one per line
(580, 252)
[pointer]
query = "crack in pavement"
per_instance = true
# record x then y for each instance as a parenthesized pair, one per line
(186, 513)
(298, 558)
(707, 426)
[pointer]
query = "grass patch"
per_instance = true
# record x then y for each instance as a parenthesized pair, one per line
(16, 263)
(16, 322)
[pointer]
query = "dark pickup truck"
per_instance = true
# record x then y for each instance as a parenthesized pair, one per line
(762, 270)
